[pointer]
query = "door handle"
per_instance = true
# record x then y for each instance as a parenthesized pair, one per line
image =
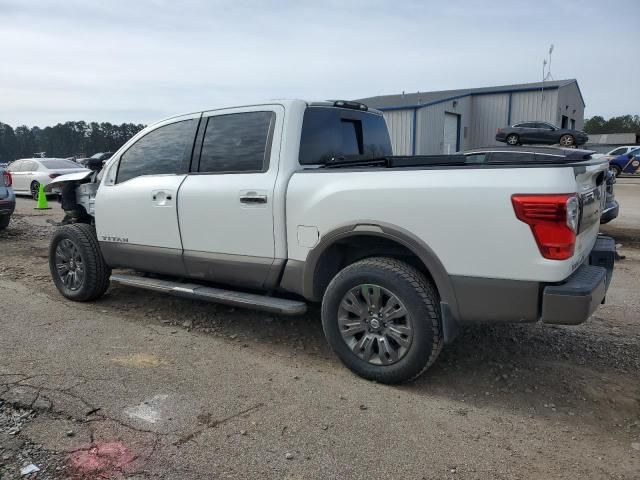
(253, 199)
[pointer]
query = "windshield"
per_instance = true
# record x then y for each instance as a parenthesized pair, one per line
(59, 163)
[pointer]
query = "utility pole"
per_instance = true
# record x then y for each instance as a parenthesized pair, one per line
(548, 76)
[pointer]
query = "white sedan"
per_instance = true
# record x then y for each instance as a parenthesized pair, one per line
(29, 173)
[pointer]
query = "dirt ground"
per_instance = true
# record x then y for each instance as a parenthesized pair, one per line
(138, 385)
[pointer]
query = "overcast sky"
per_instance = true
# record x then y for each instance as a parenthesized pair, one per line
(141, 60)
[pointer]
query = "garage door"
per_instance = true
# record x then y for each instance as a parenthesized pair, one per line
(450, 143)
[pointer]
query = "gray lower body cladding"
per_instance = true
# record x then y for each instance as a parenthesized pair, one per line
(478, 300)
(569, 302)
(237, 270)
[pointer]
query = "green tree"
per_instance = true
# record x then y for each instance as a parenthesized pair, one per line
(621, 124)
(64, 139)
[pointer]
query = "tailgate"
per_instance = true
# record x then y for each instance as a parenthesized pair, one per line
(591, 189)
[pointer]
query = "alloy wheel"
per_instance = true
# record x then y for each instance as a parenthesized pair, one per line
(375, 324)
(566, 141)
(69, 264)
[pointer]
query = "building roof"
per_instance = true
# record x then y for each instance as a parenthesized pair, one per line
(420, 99)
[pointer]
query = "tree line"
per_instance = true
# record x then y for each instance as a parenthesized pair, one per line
(69, 139)
(621, 124)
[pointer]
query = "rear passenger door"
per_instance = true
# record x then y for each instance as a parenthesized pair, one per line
(547, 133)
(136, 213)
(226, 205)
(529, 133)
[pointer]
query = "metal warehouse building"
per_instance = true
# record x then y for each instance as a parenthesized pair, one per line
(444, 122)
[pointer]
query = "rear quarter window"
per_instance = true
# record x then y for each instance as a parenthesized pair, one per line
(333, 134)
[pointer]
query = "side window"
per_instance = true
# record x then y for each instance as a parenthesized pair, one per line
(28, 166)
(16, 166)
(511, 157)
(238, 142)
(618, 151)
(476, 158)
(165, 150)
(330, 133)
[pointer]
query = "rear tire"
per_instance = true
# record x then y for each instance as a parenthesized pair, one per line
(402, 338)
(567, 140)
(76, 263)
(512, 139)
(4, 221)
(34, 190)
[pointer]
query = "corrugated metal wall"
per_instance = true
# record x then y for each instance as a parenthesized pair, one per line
(534, 106)
(400, 124)
(489, 113)
(568, 101)
(430, 131)
(480, 117)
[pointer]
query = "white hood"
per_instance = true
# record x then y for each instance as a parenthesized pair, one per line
(58, 182)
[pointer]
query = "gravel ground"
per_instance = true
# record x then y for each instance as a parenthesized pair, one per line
(579, 384)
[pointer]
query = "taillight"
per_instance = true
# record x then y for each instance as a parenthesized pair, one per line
(553, 220)
(6, 178)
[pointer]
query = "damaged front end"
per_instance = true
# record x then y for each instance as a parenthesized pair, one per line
(77, 193)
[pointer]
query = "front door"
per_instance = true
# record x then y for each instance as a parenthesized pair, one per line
(226, 205)
(136, 213)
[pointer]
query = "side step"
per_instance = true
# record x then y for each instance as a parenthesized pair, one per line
(216, 295)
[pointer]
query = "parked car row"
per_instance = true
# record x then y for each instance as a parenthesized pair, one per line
(29, 173)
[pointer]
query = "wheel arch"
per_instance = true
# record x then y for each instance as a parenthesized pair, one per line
(365, 239)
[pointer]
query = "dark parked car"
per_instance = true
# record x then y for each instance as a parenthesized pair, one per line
(7, 198)
(550, 155)
(102, 156)
(540, 133)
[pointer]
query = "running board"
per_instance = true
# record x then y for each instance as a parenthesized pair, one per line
(215, 295)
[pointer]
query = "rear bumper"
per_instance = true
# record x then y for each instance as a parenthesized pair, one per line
(610, 212)
(570, 302)
(574, 300)
(7, 205)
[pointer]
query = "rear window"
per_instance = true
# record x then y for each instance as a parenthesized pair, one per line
(59, 164)
(333, 134)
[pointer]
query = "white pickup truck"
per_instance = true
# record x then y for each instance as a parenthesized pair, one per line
(276, 205)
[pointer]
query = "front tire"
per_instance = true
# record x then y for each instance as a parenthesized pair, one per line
(512, 139)
(76, 263)
(4, 221)
(567, 141)
(382, 318)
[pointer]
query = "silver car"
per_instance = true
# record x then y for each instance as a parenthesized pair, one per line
(29, 173)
